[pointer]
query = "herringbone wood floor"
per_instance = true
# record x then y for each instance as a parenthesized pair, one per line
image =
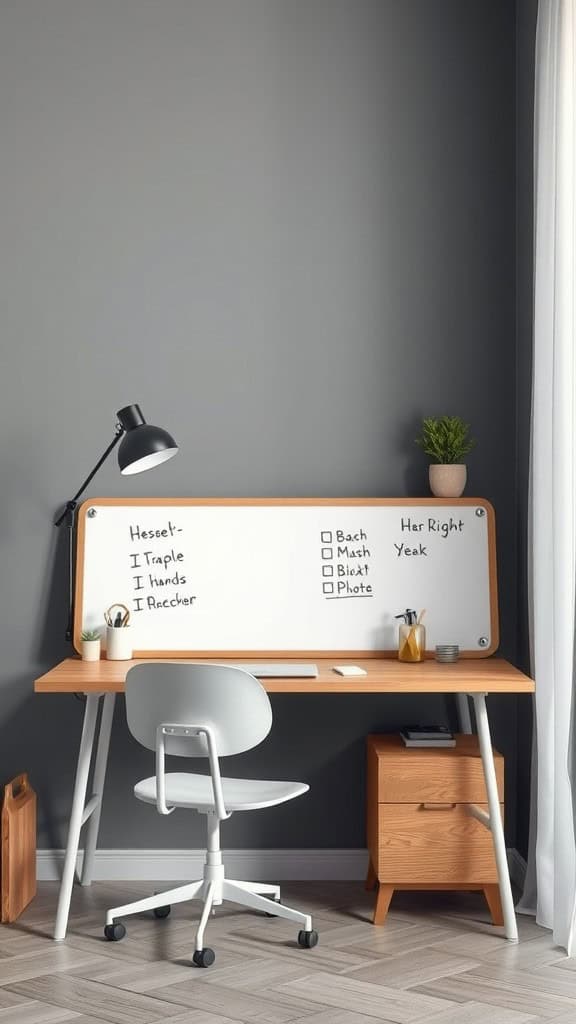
(437, 960)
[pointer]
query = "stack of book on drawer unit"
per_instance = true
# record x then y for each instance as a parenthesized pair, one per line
(427, 736)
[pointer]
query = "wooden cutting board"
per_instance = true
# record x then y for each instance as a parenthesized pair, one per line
(18, 849)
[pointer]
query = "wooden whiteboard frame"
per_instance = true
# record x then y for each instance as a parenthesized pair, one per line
(287, 502)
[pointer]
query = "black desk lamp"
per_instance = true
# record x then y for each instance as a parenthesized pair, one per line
(142, 446)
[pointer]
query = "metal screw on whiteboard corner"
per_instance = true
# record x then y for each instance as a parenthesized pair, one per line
(480, 512)
(483, 641)
(91, 513)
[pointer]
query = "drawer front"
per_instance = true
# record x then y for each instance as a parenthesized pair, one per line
(433, 844)
(433, 776)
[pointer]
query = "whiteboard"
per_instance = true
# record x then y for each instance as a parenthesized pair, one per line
(235, 577)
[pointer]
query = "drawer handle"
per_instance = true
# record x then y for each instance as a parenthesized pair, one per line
(437, 807)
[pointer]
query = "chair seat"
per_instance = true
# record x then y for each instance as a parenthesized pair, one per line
(195, 791)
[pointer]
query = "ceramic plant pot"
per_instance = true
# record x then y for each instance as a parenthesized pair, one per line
(447, 481)
(91, 650)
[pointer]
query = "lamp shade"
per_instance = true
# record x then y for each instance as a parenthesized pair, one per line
(143, 445)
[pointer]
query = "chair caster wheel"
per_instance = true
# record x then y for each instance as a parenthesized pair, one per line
(114, 932)
(308, 939)
(272, 899)
(161, 911)
(204, 957)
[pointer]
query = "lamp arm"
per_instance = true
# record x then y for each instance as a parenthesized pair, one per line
(72, 503)
(69, 514)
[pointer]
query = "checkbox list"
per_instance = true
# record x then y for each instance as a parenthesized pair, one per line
(327, 554)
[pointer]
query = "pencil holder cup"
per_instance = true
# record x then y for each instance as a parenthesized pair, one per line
(118, 643)
(411, 643)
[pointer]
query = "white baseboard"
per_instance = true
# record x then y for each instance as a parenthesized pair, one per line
(264, 865)
(178, 865)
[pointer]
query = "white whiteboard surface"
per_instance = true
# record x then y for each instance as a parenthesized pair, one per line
(221, 577)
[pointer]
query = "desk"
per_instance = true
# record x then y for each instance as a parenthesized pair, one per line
(101, 681)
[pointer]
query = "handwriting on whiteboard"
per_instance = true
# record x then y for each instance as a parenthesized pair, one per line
(158, 569)
(431, 526)
(345, 557)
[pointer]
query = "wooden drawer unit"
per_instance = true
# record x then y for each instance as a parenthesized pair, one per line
(423, 827)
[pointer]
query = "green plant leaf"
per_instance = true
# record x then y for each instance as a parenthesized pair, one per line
(445, 439)
(90, 634)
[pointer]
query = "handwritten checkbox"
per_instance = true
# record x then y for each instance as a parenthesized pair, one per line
(326, 536)
(327, 570)
(328, 588)
(327, 553)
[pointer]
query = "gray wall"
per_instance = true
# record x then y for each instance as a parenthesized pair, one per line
(287, 229)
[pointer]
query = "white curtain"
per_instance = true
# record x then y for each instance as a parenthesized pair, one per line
(551, 883)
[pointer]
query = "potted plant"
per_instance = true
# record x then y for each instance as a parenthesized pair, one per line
(90, 645)
(446, 440)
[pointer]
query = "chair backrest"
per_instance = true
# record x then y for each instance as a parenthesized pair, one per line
(224, 698)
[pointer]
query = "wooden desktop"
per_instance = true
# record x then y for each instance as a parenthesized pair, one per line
(383, 675)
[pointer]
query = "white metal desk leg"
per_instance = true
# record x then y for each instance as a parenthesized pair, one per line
(82, 771)
(496, 827)
(464, 717)
(98, 787)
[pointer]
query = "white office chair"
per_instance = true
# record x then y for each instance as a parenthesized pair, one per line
(204, 711)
